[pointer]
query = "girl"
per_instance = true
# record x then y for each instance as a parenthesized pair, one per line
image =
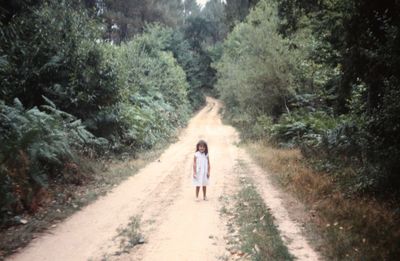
(201, 168)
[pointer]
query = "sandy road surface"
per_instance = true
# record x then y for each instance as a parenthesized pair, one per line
(174, 224)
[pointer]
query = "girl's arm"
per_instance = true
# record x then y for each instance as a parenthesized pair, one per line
(208, 172)
(194, 167)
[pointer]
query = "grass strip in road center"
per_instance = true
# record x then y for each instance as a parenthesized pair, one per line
(259, 236)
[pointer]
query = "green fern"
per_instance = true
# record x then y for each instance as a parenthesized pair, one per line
(35, 145)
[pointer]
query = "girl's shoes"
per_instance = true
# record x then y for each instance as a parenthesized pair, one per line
(205, 198)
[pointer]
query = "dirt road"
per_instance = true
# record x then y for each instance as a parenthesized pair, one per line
(175, 226)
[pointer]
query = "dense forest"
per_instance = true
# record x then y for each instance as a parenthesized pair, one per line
(323, 76)
(85, 79)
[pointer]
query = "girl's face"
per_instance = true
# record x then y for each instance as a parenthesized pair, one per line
(202, 148)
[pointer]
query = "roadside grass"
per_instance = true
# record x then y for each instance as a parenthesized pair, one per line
(65, 199)
(352, 228)
(254, 231)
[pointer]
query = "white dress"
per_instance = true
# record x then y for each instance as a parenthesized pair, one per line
(201, 169)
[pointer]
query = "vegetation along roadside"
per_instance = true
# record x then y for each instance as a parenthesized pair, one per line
(81, 85)
(64, 199)
(351, 227)
(319, 83)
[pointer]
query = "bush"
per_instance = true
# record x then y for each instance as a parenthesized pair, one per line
(153, 91)
(37, 144)
(303, 126)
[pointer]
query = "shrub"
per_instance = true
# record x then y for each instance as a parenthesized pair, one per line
(37, 144)
(153, 91)
(303, 126)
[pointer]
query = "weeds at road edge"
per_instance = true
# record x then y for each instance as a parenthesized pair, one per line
(352, 227)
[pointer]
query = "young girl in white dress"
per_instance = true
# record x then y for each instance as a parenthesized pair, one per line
(201, 168)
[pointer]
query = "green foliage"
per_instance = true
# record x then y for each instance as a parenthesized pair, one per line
(64, 60)
(191, 8)
(153, 90)
(303, 127)
(263, 127)
(214, 11)
(190, 62)
(52, 51)
(134, 95)
(201, 34)
(237, 10)
(381, 139)
(255, 73)
(326, 72)
(126, 18)
(9, 9)
(174, 41)
(259, 236)
(37, 144)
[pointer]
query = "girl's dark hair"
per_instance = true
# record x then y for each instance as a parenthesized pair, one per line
(202, 142)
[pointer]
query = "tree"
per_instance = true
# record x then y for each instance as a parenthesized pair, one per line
(8, 9)
(200, 33)
(214, 11)
(255, 73)
(372, 56)
(56, 58)
(191, 8)
(237, 10)
(126, 18)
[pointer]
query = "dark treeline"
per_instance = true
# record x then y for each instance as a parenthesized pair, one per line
(322, 75)
(84, 79)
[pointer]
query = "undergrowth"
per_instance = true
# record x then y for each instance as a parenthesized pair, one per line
(65, 199)
(353, 227)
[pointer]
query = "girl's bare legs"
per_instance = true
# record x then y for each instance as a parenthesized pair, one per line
(204, 192)
(197, 192)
